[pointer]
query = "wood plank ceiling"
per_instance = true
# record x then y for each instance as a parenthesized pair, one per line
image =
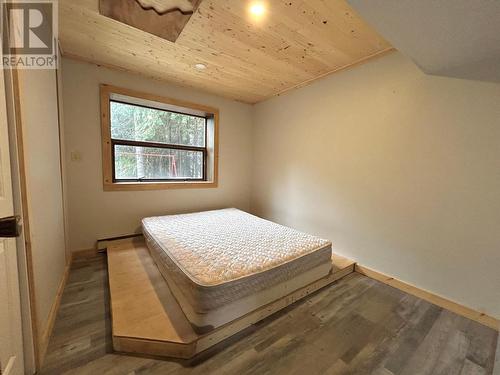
(296, 42)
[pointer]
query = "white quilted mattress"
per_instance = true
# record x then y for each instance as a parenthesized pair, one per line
(218, 257)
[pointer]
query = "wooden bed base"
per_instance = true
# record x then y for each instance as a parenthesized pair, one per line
(146, 318)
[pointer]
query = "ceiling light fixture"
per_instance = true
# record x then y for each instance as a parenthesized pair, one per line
(200, 66)
(257, 9)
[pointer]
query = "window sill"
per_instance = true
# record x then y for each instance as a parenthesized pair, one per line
(139, 186)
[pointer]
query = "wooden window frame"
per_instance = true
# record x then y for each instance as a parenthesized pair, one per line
(211, 149)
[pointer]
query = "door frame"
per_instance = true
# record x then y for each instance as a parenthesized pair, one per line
(34, 345)
(32, 358)
(31, 353)
(35, 341)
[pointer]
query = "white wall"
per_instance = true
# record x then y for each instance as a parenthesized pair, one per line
(95, 214)
(44, 186)
(400, 170)
(471, 52)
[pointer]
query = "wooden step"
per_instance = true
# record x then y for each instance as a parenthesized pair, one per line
(146, 318)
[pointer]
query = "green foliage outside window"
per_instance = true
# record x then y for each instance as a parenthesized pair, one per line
(135, 123)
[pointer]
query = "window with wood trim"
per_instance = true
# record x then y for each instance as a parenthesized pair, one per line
(151, 142)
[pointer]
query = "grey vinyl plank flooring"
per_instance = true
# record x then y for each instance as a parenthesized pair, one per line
(496, 370)
(354, 326)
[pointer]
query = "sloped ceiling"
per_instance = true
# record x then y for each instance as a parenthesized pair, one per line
(455, 38)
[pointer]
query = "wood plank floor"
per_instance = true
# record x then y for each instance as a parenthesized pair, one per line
(354, 326)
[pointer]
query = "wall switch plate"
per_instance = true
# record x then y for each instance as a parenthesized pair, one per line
(76, 156)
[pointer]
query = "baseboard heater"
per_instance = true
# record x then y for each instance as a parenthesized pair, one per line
(102, 244)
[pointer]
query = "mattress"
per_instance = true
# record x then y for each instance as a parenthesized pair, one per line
(215, 258)
(207, 321)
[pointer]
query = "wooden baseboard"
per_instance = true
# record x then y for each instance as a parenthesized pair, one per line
(102, 246)
(104, 242)
(457, 308)
(47, 332)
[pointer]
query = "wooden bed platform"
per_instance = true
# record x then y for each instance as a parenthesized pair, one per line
(146, 318)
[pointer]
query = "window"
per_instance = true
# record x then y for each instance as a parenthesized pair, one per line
(150, 144)
(155, 143)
